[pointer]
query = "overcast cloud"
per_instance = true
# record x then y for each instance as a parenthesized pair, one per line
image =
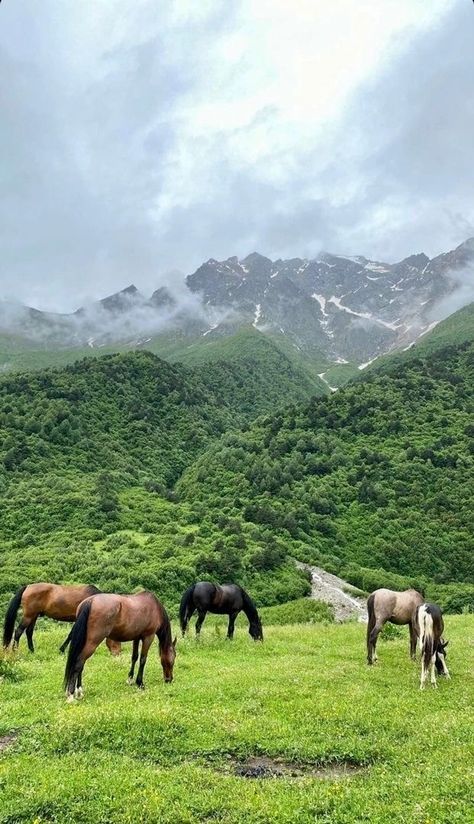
(140, 137)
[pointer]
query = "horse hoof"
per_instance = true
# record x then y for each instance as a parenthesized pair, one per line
(79, 693)
(70, 698)
(130, 681)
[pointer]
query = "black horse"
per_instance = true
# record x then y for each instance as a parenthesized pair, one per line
(228, 599)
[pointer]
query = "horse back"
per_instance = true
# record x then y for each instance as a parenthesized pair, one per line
(55, 600)
(127, 617)
(61, 602)
(397, 607)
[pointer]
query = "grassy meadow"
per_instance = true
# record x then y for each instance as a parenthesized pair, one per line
(171, 753)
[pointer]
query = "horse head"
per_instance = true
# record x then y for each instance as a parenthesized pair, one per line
(440, 652)
(255, 629)
(168, 657)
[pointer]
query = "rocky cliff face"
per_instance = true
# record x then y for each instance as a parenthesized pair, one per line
(350, 308)
(338, 307)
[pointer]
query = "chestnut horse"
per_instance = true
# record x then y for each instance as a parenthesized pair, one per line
(53, 600)
(398, 608)
(56, 601)
(122, 618)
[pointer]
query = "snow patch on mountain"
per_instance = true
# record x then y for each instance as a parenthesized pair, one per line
(258, 314)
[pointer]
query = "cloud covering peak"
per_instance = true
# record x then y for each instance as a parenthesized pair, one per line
(138, 137)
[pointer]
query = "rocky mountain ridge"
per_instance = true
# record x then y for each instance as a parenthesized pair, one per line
(335, 308)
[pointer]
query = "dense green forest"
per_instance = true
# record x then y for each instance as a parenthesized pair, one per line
(95, 449)
(377, 477)
(127, 471)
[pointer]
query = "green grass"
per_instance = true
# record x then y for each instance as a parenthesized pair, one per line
(305, 695)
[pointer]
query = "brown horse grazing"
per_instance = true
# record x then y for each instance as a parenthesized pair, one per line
(122, 618)
(398, 608)
(53, 600)
(430, 626)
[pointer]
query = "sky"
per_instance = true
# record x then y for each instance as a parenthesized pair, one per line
(138, 139)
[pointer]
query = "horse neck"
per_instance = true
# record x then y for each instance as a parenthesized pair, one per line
(249, 607)
(164, 634)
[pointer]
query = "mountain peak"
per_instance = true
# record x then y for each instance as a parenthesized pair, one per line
(162, 298)
(255, 257)
(121, 301)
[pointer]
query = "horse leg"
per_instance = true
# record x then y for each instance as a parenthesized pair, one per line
(134, 660)
(22, 626)
(200, 621)
(422, 677)
(29, 635)
(372, 643)
(66, 642)
(146, 644)
(79, 692)
(413, 640)
(230, 630)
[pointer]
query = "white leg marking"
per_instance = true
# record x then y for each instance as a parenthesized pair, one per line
(443, 664)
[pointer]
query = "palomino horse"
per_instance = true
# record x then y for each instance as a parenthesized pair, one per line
(53, 600)
(398, 608)
(228, 599)
(122, 618)
(430, 626)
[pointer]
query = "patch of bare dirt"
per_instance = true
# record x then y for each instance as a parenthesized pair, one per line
(7, 740)
(330, 589)
(265, 767)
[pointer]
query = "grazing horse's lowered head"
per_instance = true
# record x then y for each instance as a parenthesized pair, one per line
(256, 630)
(430, 627)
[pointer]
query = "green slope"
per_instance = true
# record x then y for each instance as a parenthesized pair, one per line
(245, 346)
(457, 328)
(380, 475)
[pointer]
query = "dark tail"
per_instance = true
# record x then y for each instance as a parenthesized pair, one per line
(370, 618)
(10, 617)
(183, 608)
(78, 641)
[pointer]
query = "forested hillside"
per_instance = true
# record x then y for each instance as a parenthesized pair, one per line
(127, 471)
(379, 475)
(96, 448)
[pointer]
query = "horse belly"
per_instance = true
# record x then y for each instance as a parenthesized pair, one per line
(400, 616)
